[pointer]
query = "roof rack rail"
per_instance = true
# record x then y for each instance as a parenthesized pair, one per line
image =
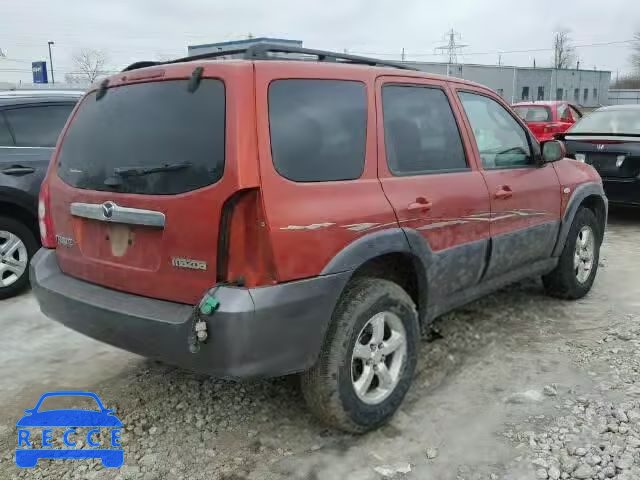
(265, 51)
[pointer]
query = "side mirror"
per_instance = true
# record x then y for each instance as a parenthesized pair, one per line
(552, 151)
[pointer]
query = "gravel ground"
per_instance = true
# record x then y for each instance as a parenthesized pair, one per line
(515, 386)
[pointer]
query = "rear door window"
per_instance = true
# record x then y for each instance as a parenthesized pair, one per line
(37, 126)
(149, 138)
(6, 140)
(318, 129)
(421, 134)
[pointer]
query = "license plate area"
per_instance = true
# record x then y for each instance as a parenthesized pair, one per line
(134, 246)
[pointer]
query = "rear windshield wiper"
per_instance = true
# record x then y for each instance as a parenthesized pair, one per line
(119, 173)
(146, 170)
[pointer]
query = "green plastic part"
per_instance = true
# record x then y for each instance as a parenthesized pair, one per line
(208, 305)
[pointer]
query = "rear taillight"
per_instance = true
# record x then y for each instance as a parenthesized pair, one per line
(245, 256)
(47, 234)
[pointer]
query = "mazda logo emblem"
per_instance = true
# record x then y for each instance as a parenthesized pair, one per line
(107, 209)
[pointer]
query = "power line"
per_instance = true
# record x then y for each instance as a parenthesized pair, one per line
(498, 52)
(141, 51)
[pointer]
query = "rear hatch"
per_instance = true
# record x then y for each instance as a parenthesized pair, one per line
(139, 180)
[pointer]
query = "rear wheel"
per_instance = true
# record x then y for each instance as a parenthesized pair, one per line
(576, 270)
(17, 246)
(367, 363)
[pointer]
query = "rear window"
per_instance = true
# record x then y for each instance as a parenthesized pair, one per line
(318, 129)
(38, 126)
(533, 114)
(150, 138)
(609, 121)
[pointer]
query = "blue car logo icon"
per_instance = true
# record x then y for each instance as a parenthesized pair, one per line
(35, 430)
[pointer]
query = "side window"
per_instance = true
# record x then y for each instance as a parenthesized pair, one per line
(564, 114)
(318, 129)
(501, 140)
(38, 126)
(420, 131)
(6, 140)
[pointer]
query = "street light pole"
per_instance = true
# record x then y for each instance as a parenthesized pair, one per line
(51, 62)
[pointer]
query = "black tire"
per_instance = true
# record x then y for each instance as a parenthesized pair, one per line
(328, 388)
(29, 240)
(562, 282)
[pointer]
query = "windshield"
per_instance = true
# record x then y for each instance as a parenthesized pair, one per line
(610, 121)
(147, 126)
(529, 113)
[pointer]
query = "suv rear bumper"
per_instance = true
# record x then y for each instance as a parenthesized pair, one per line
(256, 332)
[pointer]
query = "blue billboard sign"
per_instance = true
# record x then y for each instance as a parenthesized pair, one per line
(39, 70)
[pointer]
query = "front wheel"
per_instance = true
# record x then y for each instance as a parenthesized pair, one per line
(576, 270)
(367, 363)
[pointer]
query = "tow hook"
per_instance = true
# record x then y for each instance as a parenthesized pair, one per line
(199, 334)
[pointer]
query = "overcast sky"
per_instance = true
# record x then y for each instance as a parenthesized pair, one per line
(130, 30)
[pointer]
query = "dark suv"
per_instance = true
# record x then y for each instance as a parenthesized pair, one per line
(261, 217)
(30, 123)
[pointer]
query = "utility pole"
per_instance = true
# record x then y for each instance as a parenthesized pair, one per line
(402, 55)
(452, 47)
(51, 62)
(499, 59)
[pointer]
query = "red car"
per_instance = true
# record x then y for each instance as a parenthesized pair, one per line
(261, 217)
(547, 118)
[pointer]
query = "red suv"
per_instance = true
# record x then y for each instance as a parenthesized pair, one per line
(267, 216)
(548, 118)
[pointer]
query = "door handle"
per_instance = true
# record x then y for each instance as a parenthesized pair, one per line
(503, 192)
(420, 205)
(17, 170)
